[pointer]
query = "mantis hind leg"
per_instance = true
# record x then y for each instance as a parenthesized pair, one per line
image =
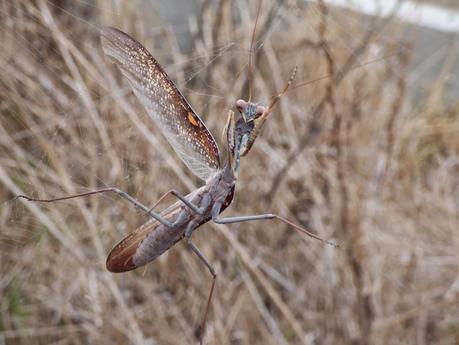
(201, 256)
(117, 191)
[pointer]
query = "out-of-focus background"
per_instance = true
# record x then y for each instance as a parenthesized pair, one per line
(368, 155)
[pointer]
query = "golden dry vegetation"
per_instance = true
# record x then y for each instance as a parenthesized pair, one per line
(368, 156)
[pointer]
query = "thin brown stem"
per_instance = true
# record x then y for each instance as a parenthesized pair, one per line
(250, 67)
(313, 130)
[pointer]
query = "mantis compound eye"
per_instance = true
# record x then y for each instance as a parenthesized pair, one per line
(241, 105)
(259, 111)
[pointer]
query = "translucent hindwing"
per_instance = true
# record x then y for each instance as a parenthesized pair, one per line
(184, 130)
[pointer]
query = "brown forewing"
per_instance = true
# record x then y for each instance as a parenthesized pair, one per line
(121, 256)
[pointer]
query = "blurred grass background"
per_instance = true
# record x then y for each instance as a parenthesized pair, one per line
(367, 156)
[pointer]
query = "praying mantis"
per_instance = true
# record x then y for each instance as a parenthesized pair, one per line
(196, 147)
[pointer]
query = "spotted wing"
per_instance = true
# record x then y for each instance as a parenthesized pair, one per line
(184, 130)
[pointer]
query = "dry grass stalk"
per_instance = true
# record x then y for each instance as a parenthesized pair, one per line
(69, 123)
